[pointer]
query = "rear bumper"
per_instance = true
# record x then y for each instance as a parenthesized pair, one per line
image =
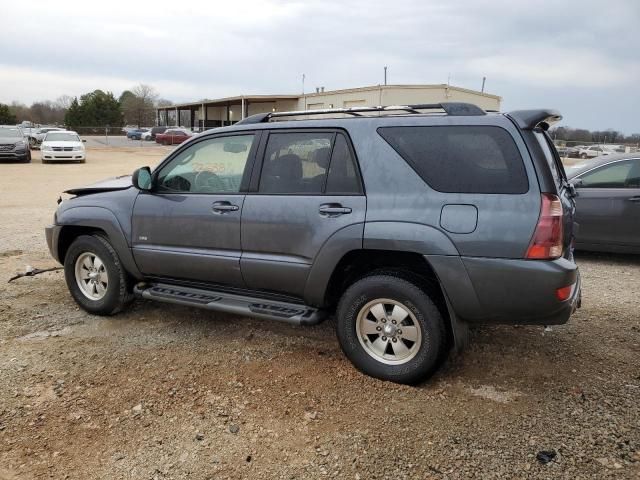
(510, 291)
(52, 233)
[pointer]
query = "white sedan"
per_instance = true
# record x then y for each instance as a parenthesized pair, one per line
(62, 146)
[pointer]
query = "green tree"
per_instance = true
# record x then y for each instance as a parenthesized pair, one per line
(73, 117)
(95, 109)
(6, 117)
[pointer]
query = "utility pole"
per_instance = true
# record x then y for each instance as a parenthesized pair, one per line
(484, 79)
(385, 74)
(303, 94)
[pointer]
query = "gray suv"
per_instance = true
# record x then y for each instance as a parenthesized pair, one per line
(406, 223)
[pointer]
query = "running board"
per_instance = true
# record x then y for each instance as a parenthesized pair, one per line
(297, 314)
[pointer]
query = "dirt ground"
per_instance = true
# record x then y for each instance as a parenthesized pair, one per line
(163, 392)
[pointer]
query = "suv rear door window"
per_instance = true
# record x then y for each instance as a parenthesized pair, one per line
(461, 159)
(343, 175)
(296, 163)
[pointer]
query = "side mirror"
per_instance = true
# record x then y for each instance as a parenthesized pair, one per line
(84, 140)
(141, 179)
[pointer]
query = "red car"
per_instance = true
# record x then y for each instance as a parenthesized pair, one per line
(172, 137)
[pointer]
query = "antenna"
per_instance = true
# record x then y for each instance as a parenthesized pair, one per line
(385, 74)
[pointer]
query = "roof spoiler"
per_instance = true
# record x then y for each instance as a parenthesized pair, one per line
(530, 119)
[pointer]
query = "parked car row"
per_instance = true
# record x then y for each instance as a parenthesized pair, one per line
(56, 144)
(162, 135)
(588, 151)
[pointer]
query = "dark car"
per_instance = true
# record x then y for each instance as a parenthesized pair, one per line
(153, 132)
(406, 223)
(13, 145)
(136, 133)
(608, 203)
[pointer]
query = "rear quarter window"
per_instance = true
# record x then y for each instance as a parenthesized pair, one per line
(461, 159)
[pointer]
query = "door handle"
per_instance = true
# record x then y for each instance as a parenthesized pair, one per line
(333, 210)
(224, 207)
(634, 199)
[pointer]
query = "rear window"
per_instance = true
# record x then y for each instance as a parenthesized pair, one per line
(461, 159)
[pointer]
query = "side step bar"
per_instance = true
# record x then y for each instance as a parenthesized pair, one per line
(297, 314)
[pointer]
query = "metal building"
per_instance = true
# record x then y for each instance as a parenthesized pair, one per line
(226, 111)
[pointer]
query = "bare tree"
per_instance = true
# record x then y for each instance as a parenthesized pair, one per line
(138, 107)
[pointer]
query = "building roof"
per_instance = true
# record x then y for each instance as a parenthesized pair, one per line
(274, 98)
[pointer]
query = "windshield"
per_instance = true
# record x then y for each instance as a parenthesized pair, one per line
(62, 137)
(10, 132)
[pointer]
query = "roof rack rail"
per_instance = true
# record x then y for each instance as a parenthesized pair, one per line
(450, 108)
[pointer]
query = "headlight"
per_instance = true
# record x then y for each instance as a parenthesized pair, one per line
(78, 149)
(45, 147)
(20, 145)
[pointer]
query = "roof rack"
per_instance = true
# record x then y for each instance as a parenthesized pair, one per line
(450, 108)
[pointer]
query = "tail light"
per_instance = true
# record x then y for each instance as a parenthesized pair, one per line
(547, 238)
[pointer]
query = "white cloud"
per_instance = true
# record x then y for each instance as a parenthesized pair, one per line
(203, 48)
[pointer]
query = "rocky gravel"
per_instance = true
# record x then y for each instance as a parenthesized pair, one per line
(168, 392)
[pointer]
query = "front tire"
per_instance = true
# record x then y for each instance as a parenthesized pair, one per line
(95, 277)
(391, 329)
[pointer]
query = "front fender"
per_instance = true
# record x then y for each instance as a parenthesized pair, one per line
(102, 219)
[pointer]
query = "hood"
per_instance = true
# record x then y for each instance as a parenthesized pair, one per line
(64, 143)
(11, 140)
(109, 185)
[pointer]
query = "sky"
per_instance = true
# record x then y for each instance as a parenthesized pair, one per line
(581, 57)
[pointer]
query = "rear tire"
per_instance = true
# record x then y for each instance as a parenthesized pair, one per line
(391, 329)
(95, 277)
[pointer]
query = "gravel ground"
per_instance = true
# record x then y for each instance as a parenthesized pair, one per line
(163, 392)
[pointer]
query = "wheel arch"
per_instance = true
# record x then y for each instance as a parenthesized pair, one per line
(94, 220)
(411, 266)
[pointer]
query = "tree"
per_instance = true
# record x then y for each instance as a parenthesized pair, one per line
(138, 105)
(73, 117)
(95, 109)
(6, 116)
(20, 110)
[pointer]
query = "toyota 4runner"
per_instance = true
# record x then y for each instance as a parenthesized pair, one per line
(406, 223)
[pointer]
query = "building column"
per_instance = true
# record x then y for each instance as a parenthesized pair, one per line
(242, 113)
(204, 116)
(228, 116)
(177, 118)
